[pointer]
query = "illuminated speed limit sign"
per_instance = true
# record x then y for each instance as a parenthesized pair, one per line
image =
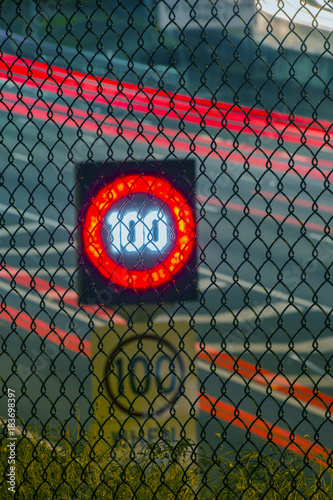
(137, 233)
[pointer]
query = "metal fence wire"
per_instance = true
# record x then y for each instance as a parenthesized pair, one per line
(166, 249)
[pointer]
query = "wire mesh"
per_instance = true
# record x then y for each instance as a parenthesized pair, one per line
(165, 280)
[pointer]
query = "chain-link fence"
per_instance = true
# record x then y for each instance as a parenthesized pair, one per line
(166, 252)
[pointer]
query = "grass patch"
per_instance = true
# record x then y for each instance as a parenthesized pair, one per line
(60, 467)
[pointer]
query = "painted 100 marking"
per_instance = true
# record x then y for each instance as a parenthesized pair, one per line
(144, 385)
(133, 232)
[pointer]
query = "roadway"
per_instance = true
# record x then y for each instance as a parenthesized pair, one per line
(264, 211)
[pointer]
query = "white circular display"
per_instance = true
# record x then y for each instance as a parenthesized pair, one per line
(131, 232)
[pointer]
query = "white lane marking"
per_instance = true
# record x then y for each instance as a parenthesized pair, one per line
(7, 82)
(273, 293)
(306, 346)
(27, 215)
(8, 230)
(319, 380)
(20, 156)
(245, 383)
(33, 296)
(247, 179)
(46, 249)
(249, 314)
(205, 283)
(210, 208)
(47, 270)
(318, 237)
(308, 364)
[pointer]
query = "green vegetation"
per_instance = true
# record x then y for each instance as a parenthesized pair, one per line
(79, 469)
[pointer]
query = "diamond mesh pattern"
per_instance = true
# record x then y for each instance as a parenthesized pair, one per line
(241, 91)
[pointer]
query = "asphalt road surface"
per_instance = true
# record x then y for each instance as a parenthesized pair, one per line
(264, 210)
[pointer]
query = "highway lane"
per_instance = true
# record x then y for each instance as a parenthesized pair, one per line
(247, 386)
(265, 263)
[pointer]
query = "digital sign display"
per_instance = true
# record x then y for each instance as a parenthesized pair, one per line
(137, 232)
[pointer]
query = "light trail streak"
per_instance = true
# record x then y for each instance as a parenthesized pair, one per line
(109, 125)
(272, 382)
(22, 319)
(236, 367)
(285, 439)
(257, 212)
(148, 101)
(170, 139)
(57, 293)
(320, 207)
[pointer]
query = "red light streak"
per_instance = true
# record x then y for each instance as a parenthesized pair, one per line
(42, 329)
(56, 292)
(266, 378)
(297, 201)
(257, 212)
(242, 419)
(80, 119)
(275, 161)
(285, 439)
(234, 118)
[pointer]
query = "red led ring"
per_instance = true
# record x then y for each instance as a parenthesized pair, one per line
(94, 247)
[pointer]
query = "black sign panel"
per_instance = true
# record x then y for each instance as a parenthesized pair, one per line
(137, 232)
